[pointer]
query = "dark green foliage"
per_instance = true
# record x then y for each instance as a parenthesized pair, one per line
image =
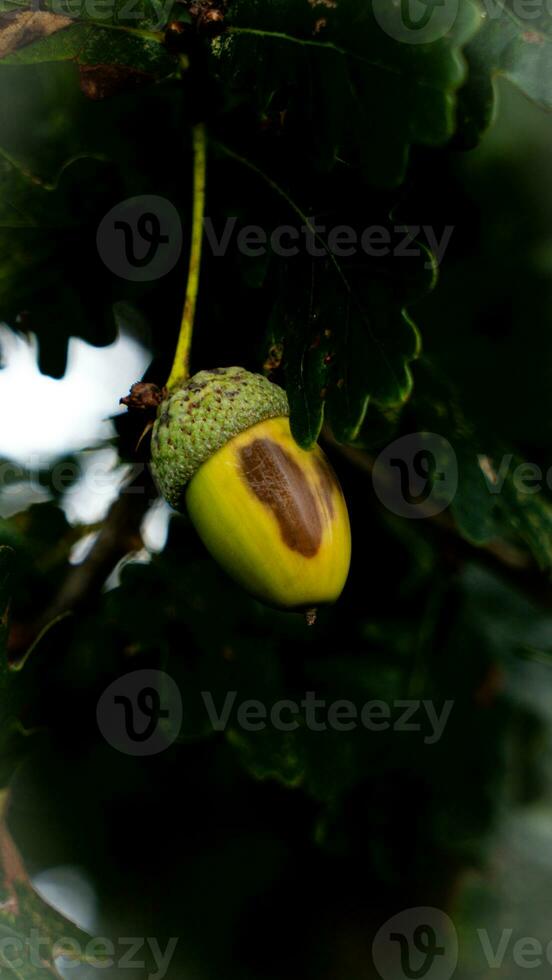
(267, 852)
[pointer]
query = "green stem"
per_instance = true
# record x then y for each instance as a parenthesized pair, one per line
(304, 42)
(181, 365)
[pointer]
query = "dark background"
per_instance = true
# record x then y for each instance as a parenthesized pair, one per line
(273, 854)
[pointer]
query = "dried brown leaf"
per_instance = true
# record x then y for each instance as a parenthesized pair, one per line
(22, 28)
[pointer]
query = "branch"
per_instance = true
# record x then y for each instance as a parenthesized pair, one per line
(120, 535)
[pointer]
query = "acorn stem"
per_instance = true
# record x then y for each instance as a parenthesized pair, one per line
(310, 616)
(180, 370)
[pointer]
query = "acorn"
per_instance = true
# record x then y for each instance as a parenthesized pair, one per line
(271, 513)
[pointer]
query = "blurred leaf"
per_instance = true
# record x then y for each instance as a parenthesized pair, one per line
(357, 75)
(51, 269)
(519, 50)
(490, 502)
(54, 281)
(271, 755)
(497, 495)
(20, 28)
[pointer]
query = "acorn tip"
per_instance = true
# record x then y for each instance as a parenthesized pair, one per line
(310, 616)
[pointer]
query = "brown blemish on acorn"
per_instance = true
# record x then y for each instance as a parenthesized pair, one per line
(279, 483)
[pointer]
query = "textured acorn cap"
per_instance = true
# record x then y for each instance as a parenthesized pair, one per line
(201, 417)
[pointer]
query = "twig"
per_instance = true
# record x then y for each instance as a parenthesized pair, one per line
(119, 536)
(12, 869)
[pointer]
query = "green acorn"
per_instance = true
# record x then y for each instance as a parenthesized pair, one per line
(271, 513)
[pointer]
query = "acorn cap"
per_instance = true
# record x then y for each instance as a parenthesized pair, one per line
(201, 416)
